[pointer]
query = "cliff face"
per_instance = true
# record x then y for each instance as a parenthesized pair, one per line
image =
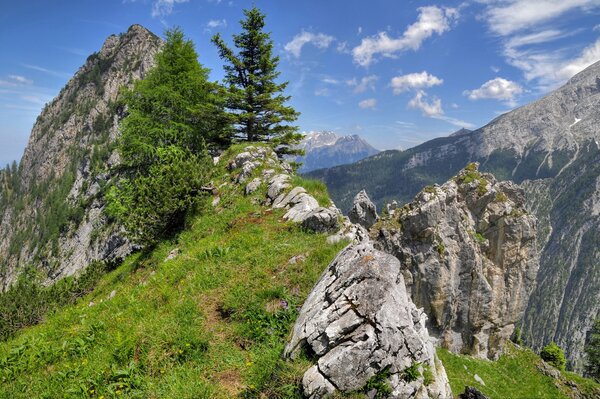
(550, 147)
(468, 255)
(53, 218)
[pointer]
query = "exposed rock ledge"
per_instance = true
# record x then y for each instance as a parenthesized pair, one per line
(358, 322)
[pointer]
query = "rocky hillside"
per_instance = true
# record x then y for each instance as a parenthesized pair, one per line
(327, 149)
(208, 314)
(51, 215)
(550, 147)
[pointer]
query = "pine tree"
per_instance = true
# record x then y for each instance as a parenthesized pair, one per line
(255, 100)
(592, 351)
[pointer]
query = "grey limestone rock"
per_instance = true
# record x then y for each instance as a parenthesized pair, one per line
(359, 321)
(468, 253)
(363, 211)
(252, 186)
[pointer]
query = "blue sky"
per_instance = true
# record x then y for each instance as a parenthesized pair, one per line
(396, 72)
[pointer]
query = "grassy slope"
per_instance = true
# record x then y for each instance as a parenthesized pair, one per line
(513, 376)
(210, 323)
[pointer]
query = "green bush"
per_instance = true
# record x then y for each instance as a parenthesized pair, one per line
(411, 373)
(554, 355)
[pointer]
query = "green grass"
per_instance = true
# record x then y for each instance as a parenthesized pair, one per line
(210, 323)
(513, 376)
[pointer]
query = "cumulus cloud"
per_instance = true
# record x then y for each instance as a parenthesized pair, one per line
(369, 103)
(433, 109)
(413, 81)
(162, 8)
(364, 84)
(319, 40)
(498, 89)
(431, 20)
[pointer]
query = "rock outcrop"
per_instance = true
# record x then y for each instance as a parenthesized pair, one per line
(55, 219)
(301, 207)
(363, 210)
(468, 255)
(359, 323)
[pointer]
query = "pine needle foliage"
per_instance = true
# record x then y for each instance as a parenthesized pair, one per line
(255, 100)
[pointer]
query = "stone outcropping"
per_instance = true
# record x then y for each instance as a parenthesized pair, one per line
(301, 207)
(363, 210)
(358, 322)
(468, 255)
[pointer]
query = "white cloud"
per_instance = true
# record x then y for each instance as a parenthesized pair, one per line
(498, 89)
(330, 81)
(432, 19)
(505, 17)
(216, 23)
(15, 80)
(549, 69)
(322, 92)
(526, 26)
(588, 56)
(369, 103)
(495, 69)
(433, 109)
(414, 81)
(47, 71)
(162, 8)
(364, 84)
(319, 40)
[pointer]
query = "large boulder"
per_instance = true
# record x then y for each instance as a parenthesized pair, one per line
(468, 254)
(363, 210)
(359, 323)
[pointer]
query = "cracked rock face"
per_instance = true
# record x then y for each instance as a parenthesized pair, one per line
(363, 210)
(358, 321)
(468, 255)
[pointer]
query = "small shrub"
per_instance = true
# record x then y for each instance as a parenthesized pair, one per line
(411, 373)
(429, 189)
(441, 249)
(427, 375)
(554, 355)
(501, 197)
(379, 382)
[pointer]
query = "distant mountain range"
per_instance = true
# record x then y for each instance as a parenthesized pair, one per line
(327, 149)
(550, 147)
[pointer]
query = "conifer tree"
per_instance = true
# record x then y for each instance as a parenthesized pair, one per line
(174, 114)
(255, 100)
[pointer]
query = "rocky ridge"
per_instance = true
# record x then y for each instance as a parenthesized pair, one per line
(469, 258)
(55, 220)
(551, 147)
